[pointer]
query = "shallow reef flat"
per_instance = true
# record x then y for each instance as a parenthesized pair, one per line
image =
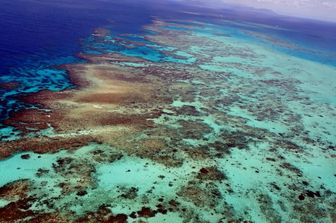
(188, 122)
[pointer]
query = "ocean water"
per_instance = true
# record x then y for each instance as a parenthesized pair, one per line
(37, 36)
(246, 124)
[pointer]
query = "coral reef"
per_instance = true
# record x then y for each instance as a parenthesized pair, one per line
(184, 124)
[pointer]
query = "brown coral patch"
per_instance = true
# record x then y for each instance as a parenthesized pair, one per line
(32, 120)
(198, 153)
(44, 97)
(210, 173)
(9, 85)
(16, 210)
(194, 130)
(109, 58)
(109, 98)
(19, 207)
(14, 190)
(48, 218)
(102, 215)
(43, 145)
(146, 212)
(201, 197)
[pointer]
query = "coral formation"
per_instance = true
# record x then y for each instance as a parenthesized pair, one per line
(185, 124)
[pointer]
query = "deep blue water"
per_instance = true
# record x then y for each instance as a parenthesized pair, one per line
(37, 35)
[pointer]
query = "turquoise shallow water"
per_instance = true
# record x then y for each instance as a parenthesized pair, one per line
(245, 132)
